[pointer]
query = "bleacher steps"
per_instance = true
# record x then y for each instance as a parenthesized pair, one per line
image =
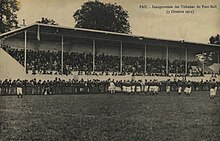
(9, 67)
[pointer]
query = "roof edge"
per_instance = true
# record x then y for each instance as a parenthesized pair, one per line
(16, 30)
(101, 31)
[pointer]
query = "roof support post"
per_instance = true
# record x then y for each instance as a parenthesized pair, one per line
(145, 58)
(167, 60)
(93, 54)
(203, 67)
(38, 32)
(121, 55)
(186, 61)
(25, 51)
(218, 63)
(218, 57)
(62, 55)
(203, 64)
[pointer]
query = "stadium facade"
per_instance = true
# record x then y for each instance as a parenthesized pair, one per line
(94, 42)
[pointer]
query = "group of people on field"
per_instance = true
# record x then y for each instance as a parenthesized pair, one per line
(134, 87)
(59, 86)
(153, 87)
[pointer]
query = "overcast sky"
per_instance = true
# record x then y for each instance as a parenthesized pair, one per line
(149, 22)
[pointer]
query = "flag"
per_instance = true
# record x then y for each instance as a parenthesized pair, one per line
(207, 58)
(201, 57)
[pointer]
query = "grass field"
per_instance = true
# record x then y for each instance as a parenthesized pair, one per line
(111, 117)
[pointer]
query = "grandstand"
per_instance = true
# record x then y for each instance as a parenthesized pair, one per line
(47, 62)
(47, 51)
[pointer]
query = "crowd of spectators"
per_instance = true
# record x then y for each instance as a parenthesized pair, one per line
(49, 62)
(74, 61)
(43, 61)
(72, 86)
(107, 63)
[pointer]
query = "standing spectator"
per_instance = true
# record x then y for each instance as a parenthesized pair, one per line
(19, 88)
(213, 89)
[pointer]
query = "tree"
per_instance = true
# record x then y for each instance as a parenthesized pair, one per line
(214, 40)
(47, 21)
(100, 16)
(8, 18)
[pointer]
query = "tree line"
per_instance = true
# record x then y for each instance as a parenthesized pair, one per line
(91, 15)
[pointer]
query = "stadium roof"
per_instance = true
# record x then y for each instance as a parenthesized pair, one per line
(55, 32)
